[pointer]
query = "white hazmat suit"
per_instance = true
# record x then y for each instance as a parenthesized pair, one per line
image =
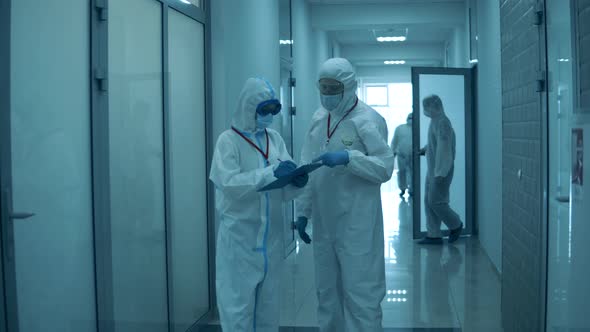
(402, 149)
(344, 204)
(249, 241)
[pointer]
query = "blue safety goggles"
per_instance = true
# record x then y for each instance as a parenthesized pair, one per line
(271, 106)
(330, 87)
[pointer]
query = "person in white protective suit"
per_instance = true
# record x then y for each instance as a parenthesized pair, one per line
(249, 243)
(440, 157)
(402, 149)
(344, 202)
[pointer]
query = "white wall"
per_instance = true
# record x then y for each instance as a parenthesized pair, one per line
(336, 49)
(310, 49)
(323, 46)
(489, 132)
(245, 43)
(381, 74)
(458, 49)
(368, 16)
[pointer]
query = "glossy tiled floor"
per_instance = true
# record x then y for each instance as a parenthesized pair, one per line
(429, 288)
(449, 286)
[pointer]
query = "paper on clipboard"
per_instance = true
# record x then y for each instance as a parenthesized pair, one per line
(285, 180)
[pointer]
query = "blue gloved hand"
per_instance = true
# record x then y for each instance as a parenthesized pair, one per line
(332, 159)
(300, 180)
(285, 168)
(300, 225)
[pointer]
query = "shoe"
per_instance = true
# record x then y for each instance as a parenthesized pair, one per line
(402, 193)
(431, 240)
(455, 234)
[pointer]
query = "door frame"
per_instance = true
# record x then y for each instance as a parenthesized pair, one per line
(8, 300)
(469, 145)
(287, 67)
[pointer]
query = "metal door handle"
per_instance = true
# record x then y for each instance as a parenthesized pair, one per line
(21, 215)
(563, 199)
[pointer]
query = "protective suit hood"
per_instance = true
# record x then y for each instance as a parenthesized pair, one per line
(255, 91)
(341, 69)
(434, 113)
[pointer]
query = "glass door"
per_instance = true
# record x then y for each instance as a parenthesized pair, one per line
(47, 213)
(568, 256)
(453, 87)
(8, 315)
(158, 165)
(187, 165)
(103, 190)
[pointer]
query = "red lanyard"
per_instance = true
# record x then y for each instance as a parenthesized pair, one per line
(265, 155)
(330, 133)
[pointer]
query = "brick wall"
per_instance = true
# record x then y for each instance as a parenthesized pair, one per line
(583, 7)
(521, 152)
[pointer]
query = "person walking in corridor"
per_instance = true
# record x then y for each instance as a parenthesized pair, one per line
(344, 202)
(440, 157)
(402, 149)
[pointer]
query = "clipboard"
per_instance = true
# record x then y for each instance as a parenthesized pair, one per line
(285, 180)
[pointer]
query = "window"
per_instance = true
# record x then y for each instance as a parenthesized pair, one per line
(377, 95)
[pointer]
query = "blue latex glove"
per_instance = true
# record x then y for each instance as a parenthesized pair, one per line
(300, 225)
(285, 168)
(300, 181)
(332, 159)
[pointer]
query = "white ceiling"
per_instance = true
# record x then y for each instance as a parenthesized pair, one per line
(416, 34)
(430, 25)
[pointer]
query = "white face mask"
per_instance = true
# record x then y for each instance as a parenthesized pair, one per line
(331, 102)
(263, 122)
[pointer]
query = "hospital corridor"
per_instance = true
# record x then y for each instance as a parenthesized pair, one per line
(294, 165)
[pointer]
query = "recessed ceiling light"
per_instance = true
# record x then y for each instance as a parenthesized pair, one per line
(286, 42)
(473, 61)
(395, 62)
(391, 39)
(390, 35)
(186, 2)
(563, 60)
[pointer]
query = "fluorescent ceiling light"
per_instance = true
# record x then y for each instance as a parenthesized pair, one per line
(390, 35)
(195, 3)
(563, 60)
(473, 61)
(391, 39)
(395, 62)
(286, 42)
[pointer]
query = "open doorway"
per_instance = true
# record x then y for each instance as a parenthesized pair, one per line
(394, 102)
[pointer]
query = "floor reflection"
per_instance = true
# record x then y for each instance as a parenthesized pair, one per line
(444, 288)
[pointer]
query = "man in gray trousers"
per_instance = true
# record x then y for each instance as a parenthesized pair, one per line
(440, 157)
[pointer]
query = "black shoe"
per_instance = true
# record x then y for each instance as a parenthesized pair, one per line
(431, 240)
(455, 234)
(402, 193)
